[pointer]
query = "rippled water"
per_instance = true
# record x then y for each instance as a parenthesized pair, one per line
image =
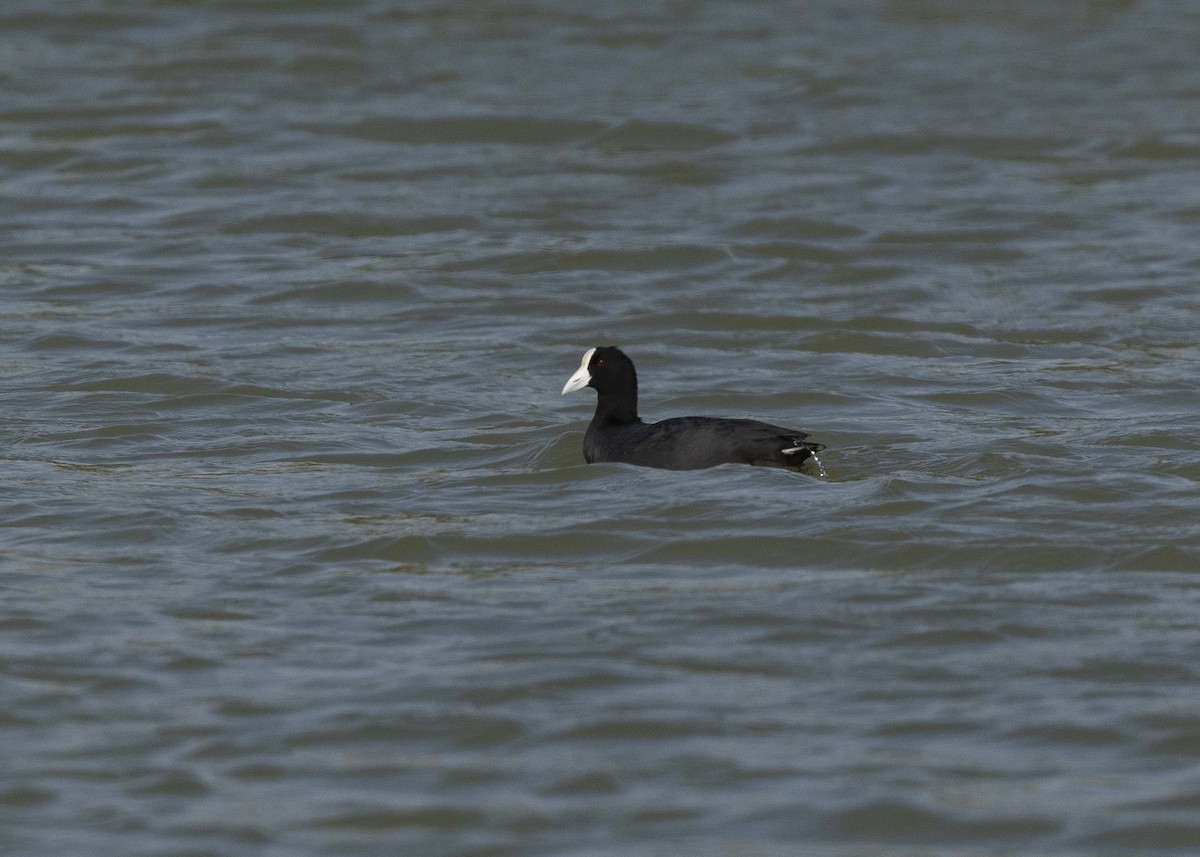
(299, 551)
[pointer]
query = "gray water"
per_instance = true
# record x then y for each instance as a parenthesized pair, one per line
(299, 552)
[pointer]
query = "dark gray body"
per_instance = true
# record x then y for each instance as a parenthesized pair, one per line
(692, 443)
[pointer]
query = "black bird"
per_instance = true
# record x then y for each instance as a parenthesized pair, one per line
(682, 443)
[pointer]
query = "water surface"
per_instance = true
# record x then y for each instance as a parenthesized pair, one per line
(300, 554)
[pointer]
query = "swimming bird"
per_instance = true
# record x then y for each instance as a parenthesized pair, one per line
(682, 443)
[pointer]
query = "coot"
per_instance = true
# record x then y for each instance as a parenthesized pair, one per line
(682, 443)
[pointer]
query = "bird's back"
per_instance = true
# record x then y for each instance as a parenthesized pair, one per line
(691, 443)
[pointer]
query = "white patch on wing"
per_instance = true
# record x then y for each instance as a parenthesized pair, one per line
(581, 377)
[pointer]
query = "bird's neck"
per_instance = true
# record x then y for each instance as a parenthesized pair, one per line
(616, 408)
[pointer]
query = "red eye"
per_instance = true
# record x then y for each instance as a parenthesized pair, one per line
(600, 362)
